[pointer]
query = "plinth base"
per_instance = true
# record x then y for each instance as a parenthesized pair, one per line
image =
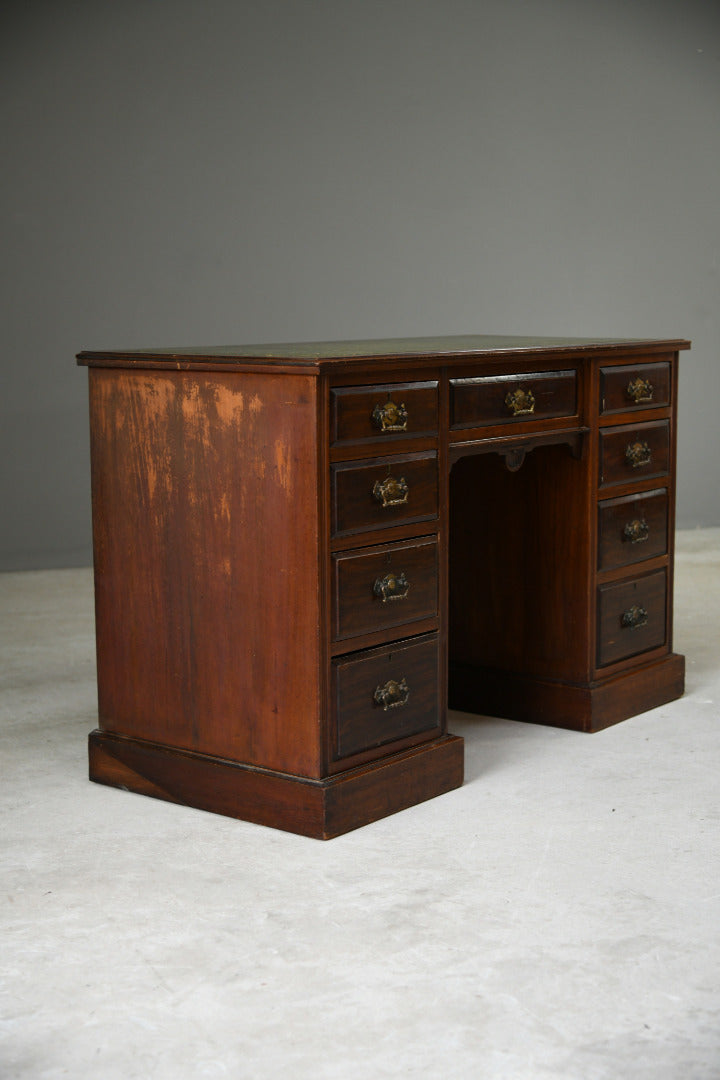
(317, 808)
(581, 708)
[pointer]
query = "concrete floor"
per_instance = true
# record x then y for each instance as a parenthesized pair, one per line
(557, 916)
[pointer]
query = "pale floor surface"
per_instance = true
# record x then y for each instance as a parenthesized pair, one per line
(557, 916)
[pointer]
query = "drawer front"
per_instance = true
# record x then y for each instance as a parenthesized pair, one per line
(634, 452)
(388, 412)
(631, 617)
(382, 695)
(382, 587)
(634, 386)
(632, 529)
(383, 493)
(512, 398)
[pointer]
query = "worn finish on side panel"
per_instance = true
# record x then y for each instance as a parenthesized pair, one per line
(206, 533)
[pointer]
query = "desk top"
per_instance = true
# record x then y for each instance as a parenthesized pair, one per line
(318, 355)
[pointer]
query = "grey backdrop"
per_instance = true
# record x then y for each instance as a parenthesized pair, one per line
(221, 172)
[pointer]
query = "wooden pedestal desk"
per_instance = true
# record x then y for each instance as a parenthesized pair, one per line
(304, 552)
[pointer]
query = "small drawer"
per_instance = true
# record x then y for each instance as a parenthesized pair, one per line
(384, 492)
(631, 617)
(634, 452)
(504, 399)
(382, 587)
(634, 386)
(388, 412)
(632, 529)
(382, 695)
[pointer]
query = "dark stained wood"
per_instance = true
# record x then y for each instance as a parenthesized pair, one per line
(202, 564)
(245, 663)
(483, 400)
(355, 507)
(615, 383)
(618, 636)
(352, 410)
(519, 556)
(320, 809)
(417, 351)
(589, 708)
(615, 467)
(632, 528)
(361, 721)
(364, 599)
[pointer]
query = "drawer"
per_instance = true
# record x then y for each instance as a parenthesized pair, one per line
(632, 529)
(387, 412)
(382, 493)
(381, 587)
(504, 399)
(634, 386)
(631, 617)
(382, 695)
(634, 452)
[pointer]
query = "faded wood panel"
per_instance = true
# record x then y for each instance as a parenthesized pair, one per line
(206, 534)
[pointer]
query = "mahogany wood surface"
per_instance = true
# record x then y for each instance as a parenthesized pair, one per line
(616, 382)
(320, 809)
(618, 635)
(632, 528)
(254, 657)
(357, 508)
(353, 411)
(484, 400)
(385, 586)
(360, 721)
(615, 443)
(203, 562)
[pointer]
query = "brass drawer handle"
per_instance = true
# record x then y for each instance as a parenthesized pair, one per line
(520, 402)
(390, 417)
(392, 695)
(391, 587)
(638, 454)
(640, 391)
(634, 617)
(391, 492)
(636, 531)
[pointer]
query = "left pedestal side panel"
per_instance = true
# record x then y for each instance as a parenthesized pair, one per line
(207, 584)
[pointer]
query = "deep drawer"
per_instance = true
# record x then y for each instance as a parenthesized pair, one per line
(632, 528)
(631, 617)
(383, 493)
(382, 587)
(382, 695)
(634, 386)
(387, 412)
(504, 399)
(634, 452)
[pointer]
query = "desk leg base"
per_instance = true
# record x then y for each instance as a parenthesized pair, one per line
(580, 708)
(317, 808)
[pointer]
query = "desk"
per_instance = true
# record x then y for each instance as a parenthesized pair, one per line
(304, 552)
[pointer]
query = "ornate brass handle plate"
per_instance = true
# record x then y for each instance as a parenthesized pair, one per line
(636, 531)
(391, 492)
(640, 391)
(520, 402)
(390, 417)
(634, 617)
(393, 695)
(638, 454)
(391, 587)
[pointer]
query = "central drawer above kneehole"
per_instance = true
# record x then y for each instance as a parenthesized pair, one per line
(383, 493)
(501, 399)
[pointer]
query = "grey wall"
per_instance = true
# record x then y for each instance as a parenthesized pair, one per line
(222, 172)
